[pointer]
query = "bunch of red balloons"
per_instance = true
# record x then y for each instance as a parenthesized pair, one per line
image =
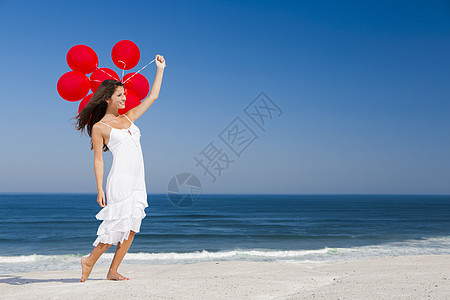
(75, 85)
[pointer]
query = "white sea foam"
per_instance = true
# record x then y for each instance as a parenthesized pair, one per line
(35, 262)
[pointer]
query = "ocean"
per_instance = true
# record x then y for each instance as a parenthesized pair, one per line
(53, 231)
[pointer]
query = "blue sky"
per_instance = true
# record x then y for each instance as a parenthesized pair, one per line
(363, 87)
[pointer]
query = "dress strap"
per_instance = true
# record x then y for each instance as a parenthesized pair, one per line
(104, 123)
(128, 119)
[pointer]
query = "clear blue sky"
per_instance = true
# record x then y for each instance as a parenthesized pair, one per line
(364, 87)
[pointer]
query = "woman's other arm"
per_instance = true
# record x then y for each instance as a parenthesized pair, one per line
(97, 143)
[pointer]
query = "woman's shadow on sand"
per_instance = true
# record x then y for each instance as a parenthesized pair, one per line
(20, 280)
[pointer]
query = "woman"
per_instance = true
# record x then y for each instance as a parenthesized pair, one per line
(125, 186)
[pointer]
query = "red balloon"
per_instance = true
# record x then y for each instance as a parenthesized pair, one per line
(99, 75)
(73, 86)
(132, 100)
(84, 102)
(125, 54)
(82, 58)
(137, 83)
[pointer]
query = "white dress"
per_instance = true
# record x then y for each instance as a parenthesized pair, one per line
(126, 195)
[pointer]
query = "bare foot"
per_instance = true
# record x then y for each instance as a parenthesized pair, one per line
(115, 276)
(85, 269)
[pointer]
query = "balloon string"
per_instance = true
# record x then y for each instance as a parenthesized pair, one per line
(105, 73)
(139, 71)
(123, 70)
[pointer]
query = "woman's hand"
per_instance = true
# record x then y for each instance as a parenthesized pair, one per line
(101, 198)
(160, 62)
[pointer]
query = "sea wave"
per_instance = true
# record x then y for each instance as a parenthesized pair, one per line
(425, 246)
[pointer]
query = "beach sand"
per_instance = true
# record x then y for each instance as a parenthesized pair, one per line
(399, 277)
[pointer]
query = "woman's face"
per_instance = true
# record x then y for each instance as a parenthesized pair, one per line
(118, 98)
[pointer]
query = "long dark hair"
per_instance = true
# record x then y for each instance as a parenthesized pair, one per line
(96, 108)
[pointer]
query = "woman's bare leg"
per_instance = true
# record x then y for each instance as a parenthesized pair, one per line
(87, 263)
(121, 250)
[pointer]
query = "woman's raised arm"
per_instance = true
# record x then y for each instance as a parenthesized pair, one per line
(139, 110)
